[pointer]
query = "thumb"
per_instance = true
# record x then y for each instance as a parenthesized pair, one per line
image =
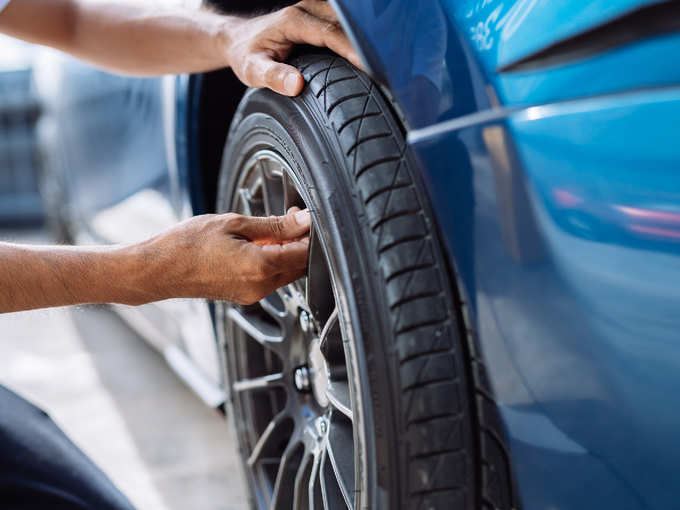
(281, 78)
(276, 228)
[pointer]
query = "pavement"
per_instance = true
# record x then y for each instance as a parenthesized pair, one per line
(119, 402)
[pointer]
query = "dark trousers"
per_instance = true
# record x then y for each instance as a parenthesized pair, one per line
(40, 468)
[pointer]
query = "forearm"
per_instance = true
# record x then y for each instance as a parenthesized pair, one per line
(140, 40)
(37, 277)
(124, 37)
(151, 40)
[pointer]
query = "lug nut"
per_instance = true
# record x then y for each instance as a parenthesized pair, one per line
(322, 426)
(305, 321)
(302, 379)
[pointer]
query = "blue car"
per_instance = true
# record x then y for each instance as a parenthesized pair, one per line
(490, 318)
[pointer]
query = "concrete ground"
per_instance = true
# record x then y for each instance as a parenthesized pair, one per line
(117, 399)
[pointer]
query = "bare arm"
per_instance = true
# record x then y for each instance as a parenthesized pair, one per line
(229, 257)
(134, 38)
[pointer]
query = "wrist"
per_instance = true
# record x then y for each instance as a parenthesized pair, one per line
(224, 37)
(137, 274)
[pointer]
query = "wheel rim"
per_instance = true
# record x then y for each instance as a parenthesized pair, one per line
(290, 370)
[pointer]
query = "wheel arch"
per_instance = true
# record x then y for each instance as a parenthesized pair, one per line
(210, 100)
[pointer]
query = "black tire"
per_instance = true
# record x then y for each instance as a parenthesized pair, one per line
(346, 148)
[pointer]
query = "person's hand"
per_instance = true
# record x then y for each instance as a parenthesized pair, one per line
(230, 257)
(256, 47)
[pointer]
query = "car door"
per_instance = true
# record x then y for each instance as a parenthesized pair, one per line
(110, 138)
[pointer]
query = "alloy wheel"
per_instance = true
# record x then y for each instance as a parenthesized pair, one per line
(290, 368)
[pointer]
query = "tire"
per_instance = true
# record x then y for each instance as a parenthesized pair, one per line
(415, 433)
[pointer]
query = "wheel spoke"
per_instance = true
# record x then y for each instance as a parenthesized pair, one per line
(284, 487)
(341, 454)
(269, 438)
(322, 479)
(318, 288)
(315, 497)
(338, 396)
(272, 188)
(330, 491)
(259, 383)
(273, 306)
(245, 197)
(301, 494)
(330, 339)
(261, 331)
(262, 168)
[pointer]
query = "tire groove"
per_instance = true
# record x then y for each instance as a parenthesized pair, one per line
(417, 386)
(415, 237)
(325, 80)
(418, 421)
(408, 269)
(409, 281)
(375, 163)
(391, 217)
(380, 191)
(358, 134)
(433, 454)
(366, 139)
(415, 297)
(337, 80)
(324, 69)
(416, 325)
(425, 354)
(389, 197)
(355, 118)
(343, 99)
(307, 66)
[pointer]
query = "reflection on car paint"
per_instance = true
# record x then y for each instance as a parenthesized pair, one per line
(561, 221)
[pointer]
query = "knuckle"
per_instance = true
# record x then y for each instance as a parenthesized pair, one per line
(290, 13)
(275, 261)
(276, 225)
(260, 271)
(249, 71)
(330, 28)
(271, 75)
(234, 222)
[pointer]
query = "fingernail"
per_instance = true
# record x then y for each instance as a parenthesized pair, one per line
(291, 84)
(302, 218)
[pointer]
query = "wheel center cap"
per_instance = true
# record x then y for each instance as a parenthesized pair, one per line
(319, 373)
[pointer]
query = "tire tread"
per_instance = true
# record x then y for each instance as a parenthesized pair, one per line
(428, 336)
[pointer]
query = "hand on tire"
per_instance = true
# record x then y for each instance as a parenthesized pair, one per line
(231, 257)
(259, 45)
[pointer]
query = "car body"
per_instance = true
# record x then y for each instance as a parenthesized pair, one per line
(547, 133)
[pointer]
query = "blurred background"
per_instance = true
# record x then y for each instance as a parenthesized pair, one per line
(105, 386)
(20, 202)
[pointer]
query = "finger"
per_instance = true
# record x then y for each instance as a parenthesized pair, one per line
(283, 279)
(258, 291)
(305, 28)
(264, 71)
(263, 289)
(319, 8)
(282, 258)
(275, 229)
